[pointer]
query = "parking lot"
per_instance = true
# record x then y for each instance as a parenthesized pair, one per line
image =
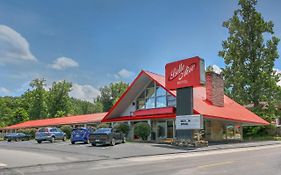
(31, 153)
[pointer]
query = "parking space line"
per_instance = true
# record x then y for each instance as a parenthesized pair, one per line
(2, 165)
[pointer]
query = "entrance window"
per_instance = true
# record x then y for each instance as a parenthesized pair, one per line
(154, 96)
(161, 129)
(170, 129)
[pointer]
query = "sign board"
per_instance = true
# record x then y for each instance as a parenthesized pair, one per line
(189, 122)
(185, 73)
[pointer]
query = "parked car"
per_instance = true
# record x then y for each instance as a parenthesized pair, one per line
(107, 136)
(17, 137)
(81, 135)
(49, 134)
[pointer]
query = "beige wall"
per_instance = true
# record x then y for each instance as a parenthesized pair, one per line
(215, 130)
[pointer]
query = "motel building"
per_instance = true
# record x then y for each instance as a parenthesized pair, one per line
(148, 99)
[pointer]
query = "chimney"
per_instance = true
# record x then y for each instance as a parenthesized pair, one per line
(215, 89)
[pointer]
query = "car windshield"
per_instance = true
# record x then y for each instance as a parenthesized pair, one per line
(42, 129)
(101, 130)
(79, 130)
(12, 134)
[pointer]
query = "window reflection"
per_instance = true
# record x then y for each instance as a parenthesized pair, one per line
(154, 96)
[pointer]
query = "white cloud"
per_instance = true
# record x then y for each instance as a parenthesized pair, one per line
(13, 46)
(124, 73)
(4, 91)
(216, 69)
(84, 92)
(63, 63)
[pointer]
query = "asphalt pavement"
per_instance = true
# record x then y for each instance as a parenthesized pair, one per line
(31, 157)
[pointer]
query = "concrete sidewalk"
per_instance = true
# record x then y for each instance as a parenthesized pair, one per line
(218, 146)
(236, 145)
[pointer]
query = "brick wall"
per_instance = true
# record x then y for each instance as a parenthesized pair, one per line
(215, 89)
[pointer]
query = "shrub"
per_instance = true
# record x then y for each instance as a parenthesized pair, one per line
(103, 125)
(30, 131)
(122, 127)
(67, 129)
(142, 130)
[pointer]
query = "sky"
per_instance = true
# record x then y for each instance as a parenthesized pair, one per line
(92, 43)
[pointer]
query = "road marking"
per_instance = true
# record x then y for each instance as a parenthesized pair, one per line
(215, 164)
(3, 165)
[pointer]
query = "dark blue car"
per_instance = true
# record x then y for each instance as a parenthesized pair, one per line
(16, 137)
(80, 135)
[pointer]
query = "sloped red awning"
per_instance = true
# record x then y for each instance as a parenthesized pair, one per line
(78, 119)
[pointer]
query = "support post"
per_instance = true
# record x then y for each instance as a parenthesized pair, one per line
(184, 107)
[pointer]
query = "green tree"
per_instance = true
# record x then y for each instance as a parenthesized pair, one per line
(37, 99)
(58, 99)
(67, 129)
(110, 94)
(122, 127)
(249, 74)
(20, 115)
(85, 107)
(142, 129)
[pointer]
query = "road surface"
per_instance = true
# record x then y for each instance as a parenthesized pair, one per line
(264, 160)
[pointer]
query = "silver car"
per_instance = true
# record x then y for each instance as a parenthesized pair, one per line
(49, 134)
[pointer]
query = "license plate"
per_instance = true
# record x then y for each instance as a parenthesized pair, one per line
(77, 135)
(97, 140)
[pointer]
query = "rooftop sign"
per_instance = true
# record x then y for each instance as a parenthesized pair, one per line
(185, 73)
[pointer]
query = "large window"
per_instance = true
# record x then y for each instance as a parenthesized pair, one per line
(154, 96)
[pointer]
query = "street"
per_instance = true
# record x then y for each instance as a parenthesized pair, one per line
(64, 159)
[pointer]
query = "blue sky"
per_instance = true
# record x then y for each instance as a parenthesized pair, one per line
(94, 42)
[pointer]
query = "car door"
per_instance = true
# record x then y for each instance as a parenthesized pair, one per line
(117, 135)
(60, 133)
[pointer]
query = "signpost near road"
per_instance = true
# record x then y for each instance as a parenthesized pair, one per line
(182, 76)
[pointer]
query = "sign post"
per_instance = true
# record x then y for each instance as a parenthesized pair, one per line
(182, 76)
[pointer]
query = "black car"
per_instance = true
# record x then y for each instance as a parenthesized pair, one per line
(107, 136)
(17, 137)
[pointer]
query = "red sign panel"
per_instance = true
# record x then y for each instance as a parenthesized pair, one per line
(185, 73)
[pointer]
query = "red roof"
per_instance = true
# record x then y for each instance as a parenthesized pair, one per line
(231, 110)
(78, 119)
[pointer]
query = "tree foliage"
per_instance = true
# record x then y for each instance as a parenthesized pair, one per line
(39, 103)
(37, 99)
(249, 54)
(142, 129)
(110, 94)
(58, 98)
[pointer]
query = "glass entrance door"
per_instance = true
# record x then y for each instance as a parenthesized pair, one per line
(170, 129)
(161, 130)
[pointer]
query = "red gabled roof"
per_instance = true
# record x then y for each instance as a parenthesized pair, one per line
(78, 119)
(231, 110)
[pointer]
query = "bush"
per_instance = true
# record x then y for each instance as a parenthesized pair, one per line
(142, 130)
(67, 129)
(30, 131)
(103, 125)
(122, 127)
(258, 131)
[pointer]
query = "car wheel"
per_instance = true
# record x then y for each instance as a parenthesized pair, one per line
(9, 140)
(72, 142)
(124, 140)
(112, 142)
(64, 139)
(52, 139)
(93, 144)
(39, 141)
